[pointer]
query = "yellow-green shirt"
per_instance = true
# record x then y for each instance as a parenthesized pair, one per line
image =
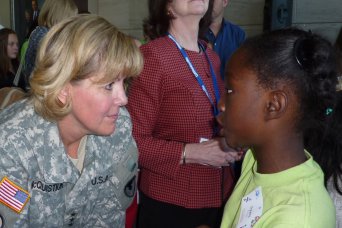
(295, 197)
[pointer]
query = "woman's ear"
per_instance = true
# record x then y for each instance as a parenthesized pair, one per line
(276, 104)
(64, 94)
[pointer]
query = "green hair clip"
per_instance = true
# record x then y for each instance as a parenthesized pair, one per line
(328, 111)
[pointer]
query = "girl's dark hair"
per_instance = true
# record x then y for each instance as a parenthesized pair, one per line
(325, 145)
(338, 46)
(5, 61)
(305, 61)
(308, 63)
(158, 22)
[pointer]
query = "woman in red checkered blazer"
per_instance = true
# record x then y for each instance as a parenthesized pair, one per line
(185, 174)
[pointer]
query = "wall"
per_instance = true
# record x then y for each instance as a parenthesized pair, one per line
(323, 17)
(127, 15)
(5, 13)
(320, 16)
(249, 14)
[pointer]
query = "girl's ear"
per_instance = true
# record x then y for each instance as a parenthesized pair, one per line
(276, 104)
(64, 94)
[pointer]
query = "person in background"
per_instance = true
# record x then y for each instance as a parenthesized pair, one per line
(24, 46)
(67, 151)
(223, 36)
(28, 20)
(9, 62)
(324, 141)
(52, 12)
(278, 85)
(185, 174)
(35, 10)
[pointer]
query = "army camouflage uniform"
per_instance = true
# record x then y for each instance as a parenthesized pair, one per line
(33, 157)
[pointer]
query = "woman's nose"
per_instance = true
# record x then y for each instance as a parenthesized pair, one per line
(121, 96)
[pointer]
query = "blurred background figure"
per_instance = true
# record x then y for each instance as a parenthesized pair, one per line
(35, 10)
(9, 61)
(52, 12)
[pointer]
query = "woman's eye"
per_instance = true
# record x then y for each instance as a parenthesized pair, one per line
(109, 86)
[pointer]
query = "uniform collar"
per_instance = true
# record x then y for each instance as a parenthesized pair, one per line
(56, 166)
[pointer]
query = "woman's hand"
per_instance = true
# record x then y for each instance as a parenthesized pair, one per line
(212, 152)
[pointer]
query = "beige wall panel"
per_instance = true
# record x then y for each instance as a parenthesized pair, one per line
(317, 11)
(126, 15)
(138, 12)
(327, 30)
(5, 13)
(245, 12)
(93, 6)
(252, 30)
(136, 33)
(115, 11)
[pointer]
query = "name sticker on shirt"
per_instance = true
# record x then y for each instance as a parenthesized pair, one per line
(13, 196)
(251, 209)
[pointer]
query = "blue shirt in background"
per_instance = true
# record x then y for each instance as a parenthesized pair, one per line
(229, 38)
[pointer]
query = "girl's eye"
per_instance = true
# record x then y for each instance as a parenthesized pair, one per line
(109, 86)
(228, 91)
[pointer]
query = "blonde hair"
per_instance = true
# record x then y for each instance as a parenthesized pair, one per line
(74, 50)
(54, 11)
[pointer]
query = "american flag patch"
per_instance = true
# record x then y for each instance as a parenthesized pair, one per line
(12, 195)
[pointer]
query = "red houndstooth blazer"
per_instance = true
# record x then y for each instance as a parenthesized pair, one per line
(168, 108)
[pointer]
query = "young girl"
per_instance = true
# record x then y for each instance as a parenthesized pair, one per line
(278, 85)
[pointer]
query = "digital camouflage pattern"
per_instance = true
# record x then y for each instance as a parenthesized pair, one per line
(33, 156)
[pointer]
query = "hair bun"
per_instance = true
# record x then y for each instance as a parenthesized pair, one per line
(311, 53)
(304, 49)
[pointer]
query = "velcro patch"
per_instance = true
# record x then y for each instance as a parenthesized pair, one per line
(12, 195)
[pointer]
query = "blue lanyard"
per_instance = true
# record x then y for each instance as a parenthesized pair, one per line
(198, 77)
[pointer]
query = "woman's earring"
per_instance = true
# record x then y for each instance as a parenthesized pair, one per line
(170, 14)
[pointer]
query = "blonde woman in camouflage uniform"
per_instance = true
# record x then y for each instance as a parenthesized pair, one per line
(67, 154)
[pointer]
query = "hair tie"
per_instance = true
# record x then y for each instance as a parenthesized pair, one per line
(328, 111)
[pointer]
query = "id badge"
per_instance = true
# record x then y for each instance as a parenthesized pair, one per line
(251, 209)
